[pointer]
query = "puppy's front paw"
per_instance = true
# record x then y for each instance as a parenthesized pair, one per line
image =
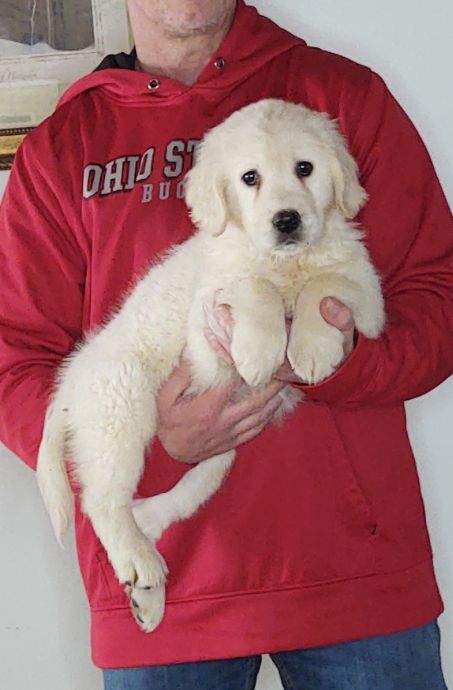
(315, 355)
(257, 353)
(371, 321)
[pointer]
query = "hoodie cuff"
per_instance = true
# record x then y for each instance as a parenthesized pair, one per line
(344, 384)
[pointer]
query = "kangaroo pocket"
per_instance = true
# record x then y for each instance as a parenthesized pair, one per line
(291, 513)
(349, 516)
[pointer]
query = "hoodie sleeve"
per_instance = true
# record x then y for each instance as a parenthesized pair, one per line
(41, 298)
(409, 232)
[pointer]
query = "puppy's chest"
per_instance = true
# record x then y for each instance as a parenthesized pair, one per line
(289, 281)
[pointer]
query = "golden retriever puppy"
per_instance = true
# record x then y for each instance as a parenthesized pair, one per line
(272, 194)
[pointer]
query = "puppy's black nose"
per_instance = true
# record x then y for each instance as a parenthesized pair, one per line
(286, 221)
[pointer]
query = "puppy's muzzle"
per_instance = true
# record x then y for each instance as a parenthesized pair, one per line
(287, 223)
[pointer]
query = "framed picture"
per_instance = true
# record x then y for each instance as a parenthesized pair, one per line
(45, 45)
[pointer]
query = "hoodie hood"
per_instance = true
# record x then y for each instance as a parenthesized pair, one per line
(253, 43)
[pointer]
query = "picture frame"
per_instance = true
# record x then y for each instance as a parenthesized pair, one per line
(33, 75)
(10, 140)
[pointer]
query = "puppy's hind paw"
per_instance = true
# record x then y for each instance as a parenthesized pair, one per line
(145, 585)
(147, 605)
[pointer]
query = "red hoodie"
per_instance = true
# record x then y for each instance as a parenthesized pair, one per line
(318, 535)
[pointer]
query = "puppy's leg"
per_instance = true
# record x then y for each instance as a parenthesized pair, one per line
(368, 309)
(153, 515)
(315, 347)
(111, 428)
(259, 335)
(136, 561)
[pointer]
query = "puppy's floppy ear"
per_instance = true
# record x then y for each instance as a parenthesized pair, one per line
(350, 196)
(205, 191)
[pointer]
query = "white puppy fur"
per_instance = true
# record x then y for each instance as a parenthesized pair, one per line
(272, 193)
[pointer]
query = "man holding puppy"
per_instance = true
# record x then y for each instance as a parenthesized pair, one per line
(316, 549)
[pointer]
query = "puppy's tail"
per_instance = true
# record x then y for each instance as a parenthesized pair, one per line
(51, 472)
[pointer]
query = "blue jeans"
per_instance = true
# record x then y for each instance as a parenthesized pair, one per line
(407, 660)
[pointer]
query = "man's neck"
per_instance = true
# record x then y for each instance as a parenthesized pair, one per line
(180, 58)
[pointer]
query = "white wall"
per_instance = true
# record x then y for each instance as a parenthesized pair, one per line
(43, 614)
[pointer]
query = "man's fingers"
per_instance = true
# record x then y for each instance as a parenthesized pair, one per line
(238, 440)
(337, 314)
(248, 435)
(258, 419)
(225, 318)
(219, 345)
(286, 374)
(218, 329)
(254, 401)
(219, 320)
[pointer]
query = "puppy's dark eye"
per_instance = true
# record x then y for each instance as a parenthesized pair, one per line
(251, 178)
(304, 168)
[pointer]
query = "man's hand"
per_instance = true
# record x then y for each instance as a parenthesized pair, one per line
(339, 315)
(195, 428)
